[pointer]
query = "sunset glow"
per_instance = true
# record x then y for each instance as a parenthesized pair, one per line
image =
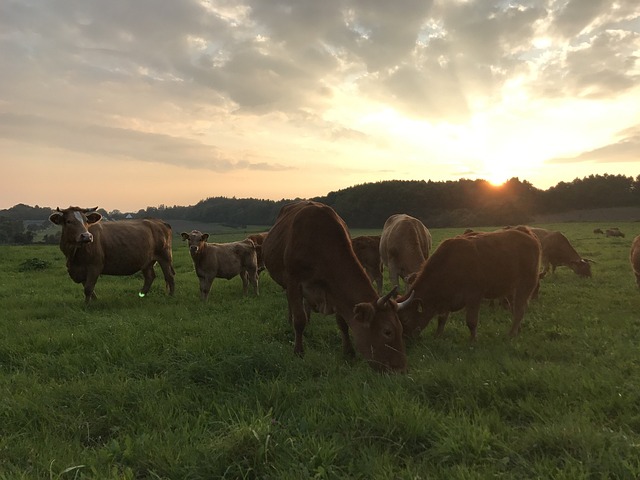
(128, 107)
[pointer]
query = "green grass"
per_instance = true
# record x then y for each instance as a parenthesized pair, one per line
(172, 388)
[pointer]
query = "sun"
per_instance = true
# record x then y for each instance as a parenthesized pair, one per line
(497, 172)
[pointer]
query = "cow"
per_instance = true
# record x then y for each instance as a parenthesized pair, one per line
(466, 269)
(557, 251)
(598, 231)
(93, 248)
(635, 258)
(367, 249)
(308, 252)
(614, 232)
(404, 246)
(222, 260)
(258, 239)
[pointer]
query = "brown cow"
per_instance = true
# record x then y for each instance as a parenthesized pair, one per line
(635, 258)
(367, 249)
(222, 260)
(93, 248)
(466, 269)
(614, 232)
(557, 251)
(258, 240)
(308, 252)
(598, 231)
(404, 246)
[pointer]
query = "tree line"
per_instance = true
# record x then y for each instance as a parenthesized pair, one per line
(456, 203)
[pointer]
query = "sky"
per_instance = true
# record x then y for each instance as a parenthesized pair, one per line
(129, 104)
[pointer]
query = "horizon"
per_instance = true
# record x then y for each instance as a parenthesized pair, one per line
(126, 104)
(165, 205)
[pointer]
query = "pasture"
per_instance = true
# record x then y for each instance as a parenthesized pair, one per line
(172, 388)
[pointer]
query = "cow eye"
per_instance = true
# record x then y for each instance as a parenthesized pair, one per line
(387, 332)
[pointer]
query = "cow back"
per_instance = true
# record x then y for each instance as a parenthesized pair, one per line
(404, 242)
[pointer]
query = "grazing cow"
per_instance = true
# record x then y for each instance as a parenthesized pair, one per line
(614, 232)
(121, 247)
(222, 260)
(557, 251)
(308, 252)
(404, 246)
(367, 249)
(466, 269)
(598, 231)
(258, 240)
(635, 258)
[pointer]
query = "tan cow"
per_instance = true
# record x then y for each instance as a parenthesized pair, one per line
(466, 269)
(635, 258)
(404, 246)
(222, 260)
(557, 251)
(93, 248)
(258, 240)
(367, 249)
(308, 252)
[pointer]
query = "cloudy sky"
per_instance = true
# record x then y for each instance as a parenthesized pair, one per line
(129, 104)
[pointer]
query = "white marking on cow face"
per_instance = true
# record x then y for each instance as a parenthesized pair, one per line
(84, 236)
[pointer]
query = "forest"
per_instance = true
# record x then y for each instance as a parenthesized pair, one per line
(438, 204)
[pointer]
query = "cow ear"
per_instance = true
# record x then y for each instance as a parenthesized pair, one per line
(94, 217)
(364, 313)
(205, 237)
(56, 218)
(184, 235)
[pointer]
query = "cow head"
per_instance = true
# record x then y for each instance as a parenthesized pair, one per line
(582, 267)
(196, 239)
(415, 313)
(75, 223)
(378, 334)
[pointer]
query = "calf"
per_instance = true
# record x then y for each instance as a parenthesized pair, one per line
(224, 260)
(93, 248)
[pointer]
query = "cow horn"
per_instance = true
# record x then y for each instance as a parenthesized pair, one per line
(88, 210)
(405, 303)
(382, 300)
(588, 260)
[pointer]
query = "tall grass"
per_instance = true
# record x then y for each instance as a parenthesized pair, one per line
(169, 388)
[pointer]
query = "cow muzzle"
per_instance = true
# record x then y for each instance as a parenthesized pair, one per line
(193, 249)
(85, 237)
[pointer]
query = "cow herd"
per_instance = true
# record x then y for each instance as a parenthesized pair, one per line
(310, 254)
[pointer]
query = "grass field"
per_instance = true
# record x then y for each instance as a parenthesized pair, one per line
(173, 388)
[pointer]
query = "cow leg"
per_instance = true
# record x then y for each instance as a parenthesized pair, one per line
(393, 276)
(89, 293)
(89, 286)
(473, 311)
(298, 315)
(149, 275)
(442, 321)
(253, 279)
(519, 305)
(245, 281)
(347, 346)
(169, 273)
(205, 287)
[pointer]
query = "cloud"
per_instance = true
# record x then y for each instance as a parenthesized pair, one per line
(108, 142)
(627, 149)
